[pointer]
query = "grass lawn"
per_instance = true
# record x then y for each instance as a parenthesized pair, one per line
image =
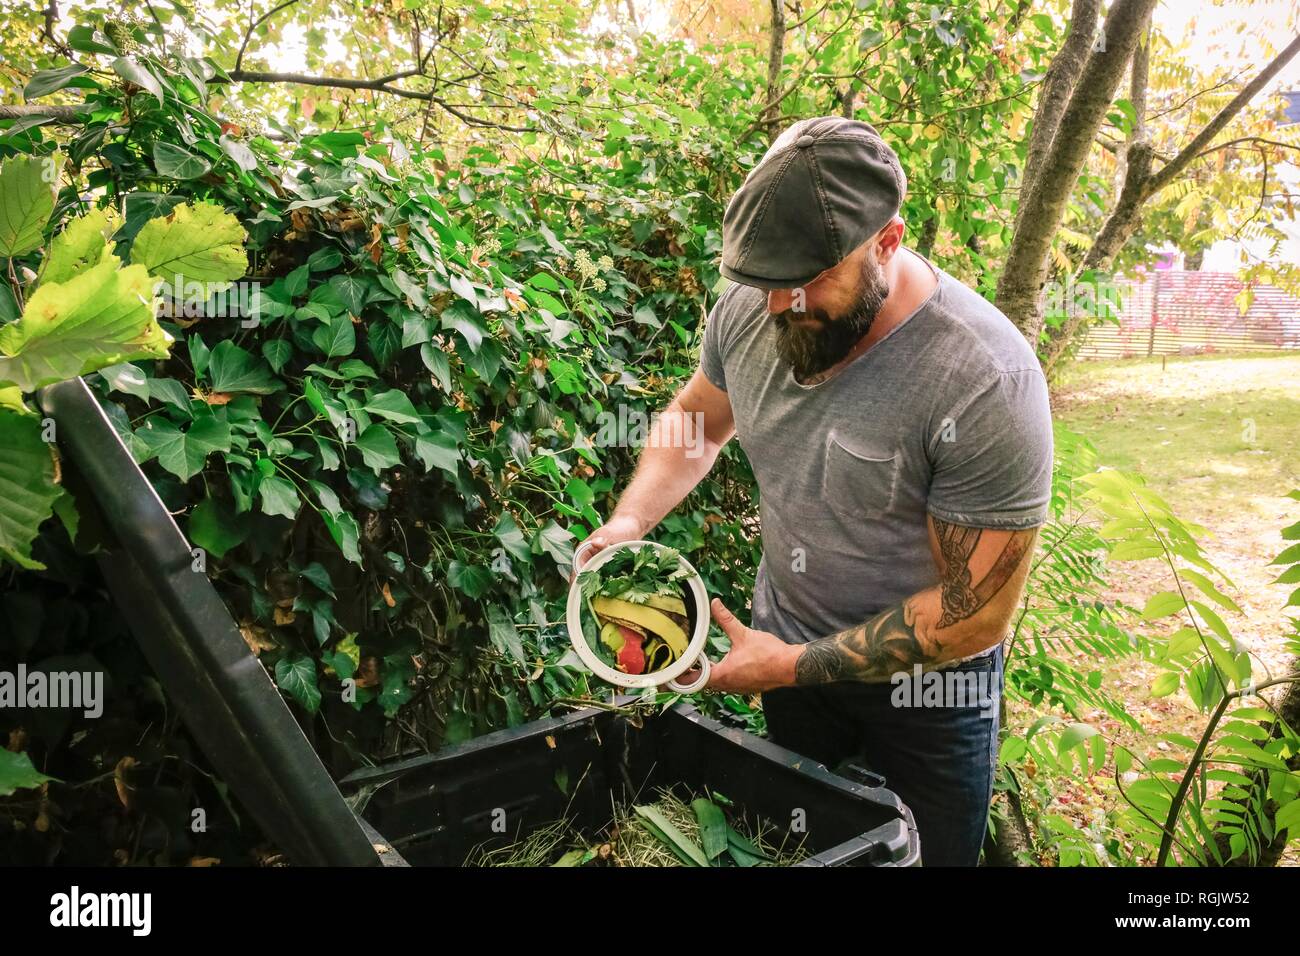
(1219, 439)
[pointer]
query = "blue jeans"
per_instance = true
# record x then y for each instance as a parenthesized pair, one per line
(937, 750)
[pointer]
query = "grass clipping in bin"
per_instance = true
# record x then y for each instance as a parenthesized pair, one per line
(668, 832)
(637, 621)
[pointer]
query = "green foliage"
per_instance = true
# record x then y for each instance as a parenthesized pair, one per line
(1203, 802)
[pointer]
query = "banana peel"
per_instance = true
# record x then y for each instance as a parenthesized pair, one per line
(641, 617)
(658, 655)
(670, 603)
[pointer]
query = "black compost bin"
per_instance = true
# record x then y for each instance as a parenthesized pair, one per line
(436, 808)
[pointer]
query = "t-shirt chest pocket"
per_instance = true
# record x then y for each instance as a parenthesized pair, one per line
(859, 480)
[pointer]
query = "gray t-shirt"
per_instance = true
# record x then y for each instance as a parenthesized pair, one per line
(948, 413)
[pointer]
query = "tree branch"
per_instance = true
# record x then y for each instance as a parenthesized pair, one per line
(1221, 119)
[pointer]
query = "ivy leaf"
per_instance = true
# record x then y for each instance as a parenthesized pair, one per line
(215, 528)
(198, 242)
(317, 574)
(279, 496)
(337, 338)
(277, 353)
(555, 541)
(378, 448)
(232, 370)
(436, 361)
(470, 579)
(17, 773)
(296, 675)
(176, 162)
(503, 634)
(184, 453)
(385, 341)
(351, 291)
(511, 537)
(128, 378)
(26, 201)
(467, 324)
(464, 288)
(100, 317)
(392, 405)
(438, 450)
(27, 488)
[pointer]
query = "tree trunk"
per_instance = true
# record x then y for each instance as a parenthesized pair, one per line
(1044, 196)
(775, 56)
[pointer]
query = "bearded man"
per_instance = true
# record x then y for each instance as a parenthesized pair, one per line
(899, 430)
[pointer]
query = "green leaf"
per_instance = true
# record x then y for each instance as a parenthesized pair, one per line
(128, 378)
(1162, 605)
(343, 529)
(1073, 735)
(296, 675)
(1287, 818)
(351, 292)
(133, 72)
(438, 450)
(27, 488)
(83, 243)
(392, 405)
(27, 185)
(436, 361)
(184, 453)
(472, 580)
(1166, 684)
(45, 82)
(100, 317)
(511, 537)
(337, 338)
(215, 527)
(378, 448)
(555, 541)
(503, 634)
(194, 243)
(277, 353)
(713, 826)
(279, 496)
(233, 370)
(176, 162)
(17, 773)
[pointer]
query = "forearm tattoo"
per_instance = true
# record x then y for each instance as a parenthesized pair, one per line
(889, 642)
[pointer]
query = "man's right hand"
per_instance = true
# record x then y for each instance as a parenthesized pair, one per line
(616, 530)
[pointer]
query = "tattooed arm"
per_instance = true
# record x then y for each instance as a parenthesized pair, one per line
(982, 574)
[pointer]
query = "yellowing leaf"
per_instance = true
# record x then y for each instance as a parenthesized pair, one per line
(26, 201)
(194, 243)
(101, 317)
(82, 244)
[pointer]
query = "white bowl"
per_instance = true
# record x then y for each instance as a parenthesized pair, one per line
(694, 648)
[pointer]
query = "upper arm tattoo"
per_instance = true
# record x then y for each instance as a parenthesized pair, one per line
(895, 639)
(962, 599)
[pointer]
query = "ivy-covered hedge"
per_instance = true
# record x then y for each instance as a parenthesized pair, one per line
(388, 463)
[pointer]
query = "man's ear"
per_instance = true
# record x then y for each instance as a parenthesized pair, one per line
(888, 240)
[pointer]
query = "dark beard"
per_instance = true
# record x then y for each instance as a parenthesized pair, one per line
(810, 351)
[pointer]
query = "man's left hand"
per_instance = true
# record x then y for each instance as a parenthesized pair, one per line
(757, 661)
